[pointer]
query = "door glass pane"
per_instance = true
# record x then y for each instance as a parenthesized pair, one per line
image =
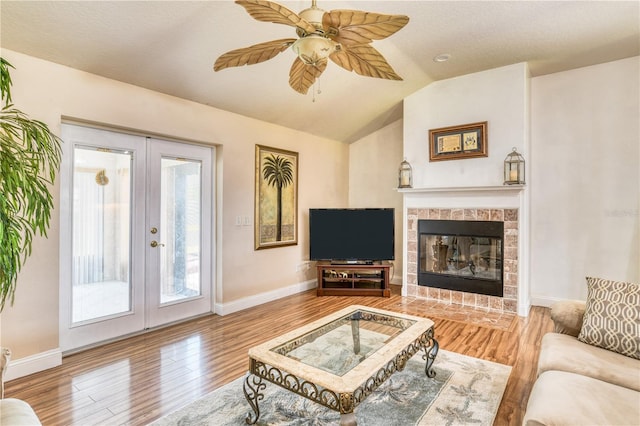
(101, 244)
(180, 207)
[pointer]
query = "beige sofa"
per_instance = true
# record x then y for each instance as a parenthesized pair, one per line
(579, 383)
(13, 412)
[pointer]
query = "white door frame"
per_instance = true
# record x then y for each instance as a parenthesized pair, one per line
(74, 336)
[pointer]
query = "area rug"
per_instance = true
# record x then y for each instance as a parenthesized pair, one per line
(464, 391)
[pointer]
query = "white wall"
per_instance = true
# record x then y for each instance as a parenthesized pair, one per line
(373, 178)
(585, 178)
(499, 96)
(47, 92)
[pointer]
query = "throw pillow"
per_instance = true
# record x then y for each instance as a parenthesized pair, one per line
(612, 316)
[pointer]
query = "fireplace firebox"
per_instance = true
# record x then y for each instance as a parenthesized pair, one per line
(461, 255)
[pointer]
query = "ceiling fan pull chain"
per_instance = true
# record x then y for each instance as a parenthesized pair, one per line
(316, 89)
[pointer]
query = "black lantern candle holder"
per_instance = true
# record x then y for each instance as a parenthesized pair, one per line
(514, 168)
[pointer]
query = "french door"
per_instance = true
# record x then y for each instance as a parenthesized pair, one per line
(136, 234)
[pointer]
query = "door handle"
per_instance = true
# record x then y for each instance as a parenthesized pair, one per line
(154, 243)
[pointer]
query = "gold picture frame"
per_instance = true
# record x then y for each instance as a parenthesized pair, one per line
(276, 198)
(458, 142)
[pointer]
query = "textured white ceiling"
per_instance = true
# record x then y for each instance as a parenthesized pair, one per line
(170, 47)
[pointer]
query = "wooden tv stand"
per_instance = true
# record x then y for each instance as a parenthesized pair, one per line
(355, 279)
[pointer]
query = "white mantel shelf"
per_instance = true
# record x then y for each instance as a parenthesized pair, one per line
(502, 188)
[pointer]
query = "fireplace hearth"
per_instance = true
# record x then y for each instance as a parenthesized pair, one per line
(461, 255)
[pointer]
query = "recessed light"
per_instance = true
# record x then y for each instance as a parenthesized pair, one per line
(443, 57)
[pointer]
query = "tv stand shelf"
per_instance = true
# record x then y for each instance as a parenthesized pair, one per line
(353, 279)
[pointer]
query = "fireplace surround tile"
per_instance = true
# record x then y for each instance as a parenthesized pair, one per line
(457, 214)
(482, 301)
(497, 215)
(468, 299)
(495, 304)
(483, 214)
(509, 216)
(470, 214)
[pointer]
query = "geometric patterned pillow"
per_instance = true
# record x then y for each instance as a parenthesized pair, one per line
(612, 316)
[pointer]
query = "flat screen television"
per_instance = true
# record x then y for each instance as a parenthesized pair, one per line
(351, 235)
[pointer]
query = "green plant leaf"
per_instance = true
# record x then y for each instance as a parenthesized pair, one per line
(30, 157)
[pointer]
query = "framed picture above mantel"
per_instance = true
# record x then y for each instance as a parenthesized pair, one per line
(458, 142)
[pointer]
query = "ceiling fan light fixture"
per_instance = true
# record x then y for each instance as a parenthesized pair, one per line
(314, 48)
(313, 15)
(344, 36)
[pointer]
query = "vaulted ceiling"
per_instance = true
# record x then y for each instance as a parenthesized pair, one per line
(170, 47)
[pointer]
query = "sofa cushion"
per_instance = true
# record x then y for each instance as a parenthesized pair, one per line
(567, 316)
(561, 398)
(566, 353)
(612, 316)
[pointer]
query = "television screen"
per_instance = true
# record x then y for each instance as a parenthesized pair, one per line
(351, 235)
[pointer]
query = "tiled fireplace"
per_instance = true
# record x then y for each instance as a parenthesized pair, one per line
(507, 217)
(504, 206)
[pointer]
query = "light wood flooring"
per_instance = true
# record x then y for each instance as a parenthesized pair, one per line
(139, 379)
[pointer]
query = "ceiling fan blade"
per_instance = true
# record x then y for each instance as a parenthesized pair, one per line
(253, 54)
(266, 11)
(364, 60)
(351, 27)
(302, 76)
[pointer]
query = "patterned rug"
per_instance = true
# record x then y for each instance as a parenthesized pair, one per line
(465, 391)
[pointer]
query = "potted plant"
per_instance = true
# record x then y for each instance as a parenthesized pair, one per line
(29, 160)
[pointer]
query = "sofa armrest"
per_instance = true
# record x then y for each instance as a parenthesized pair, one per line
(567, 316)
(16, 412)
(5, 356)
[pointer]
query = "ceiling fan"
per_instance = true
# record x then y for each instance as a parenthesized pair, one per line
(344, 36)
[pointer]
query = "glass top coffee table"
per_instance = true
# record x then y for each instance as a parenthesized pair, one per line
(340, 359)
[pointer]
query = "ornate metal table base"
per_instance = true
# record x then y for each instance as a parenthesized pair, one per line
(344, 403)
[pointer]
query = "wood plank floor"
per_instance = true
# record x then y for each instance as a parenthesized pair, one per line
(139, 379)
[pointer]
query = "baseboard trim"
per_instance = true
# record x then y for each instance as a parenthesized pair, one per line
(544, 301)
(524, 306)
(33, 364)
(259, 299)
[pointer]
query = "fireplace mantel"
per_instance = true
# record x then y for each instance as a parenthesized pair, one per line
(478, 189)
(470, 203)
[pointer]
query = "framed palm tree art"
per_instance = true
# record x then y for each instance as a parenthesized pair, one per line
(276, 198)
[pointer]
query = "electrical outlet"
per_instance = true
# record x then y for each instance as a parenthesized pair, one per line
(238, 220)
(246, 221)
